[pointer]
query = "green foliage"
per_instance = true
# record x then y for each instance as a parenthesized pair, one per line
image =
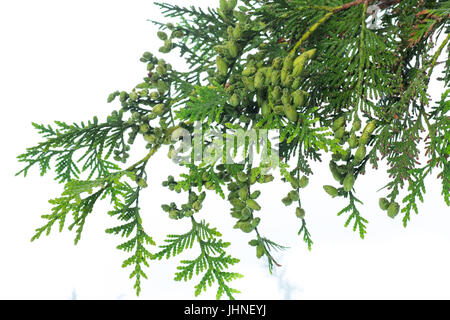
(212, 260)
(306, 235)
(127, 211)
(314, 71)
(359, 223)
(206, 103)
(95, 141)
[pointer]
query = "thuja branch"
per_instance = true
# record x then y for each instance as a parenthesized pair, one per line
(437, 54)
(245, 76)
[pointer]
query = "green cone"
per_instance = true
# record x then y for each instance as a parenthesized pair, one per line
(253, 204)
(300, 213)
(332, 191)
(384, 204)
(393, 210)
(304, 182)
(349, 181)
(360, 153)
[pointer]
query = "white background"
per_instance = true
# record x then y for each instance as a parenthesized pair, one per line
(58, 61)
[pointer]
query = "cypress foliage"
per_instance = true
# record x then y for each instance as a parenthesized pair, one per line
(319, 72)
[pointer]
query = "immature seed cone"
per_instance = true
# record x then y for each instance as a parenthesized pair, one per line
(162, 35)
(123, 96)
(286, 201)
(150, 138)
(249, 83)
(142, 183)
(233, 49)
(310, 53)
(232, 4)
(224, 5)
(356, 125)
(279, 109)
(298, 98)
(112, 96)
(288, 82)
(349, 181)
(197, 205)
(253, 204)
(300, 60)
(210, 185)
(304, 182)
(288, 62)
(286, 97)
(222, 50)
(393, 210)
(192, 197)
(335, 172)
(259, 80)
(255, 194)
(237, 33)
(276, 93)
(133, 96)
(364, 139)
(233, 186)
(161, 70)
(162, 87)
(265, 109)
(241, 176)
(245, 214)
(243, 193)
(347, 155)
(173, 214)
(291, 113)
(275, 78)
(284, 75)
(259, 250)
(256, 221)
(295, 84)
(294, 182)
(353, 141)
(298, 70)
(154, 95)
(246, 227)
(253, 242)
(338, 123)
(249, 71)
(253, 178)
(360, 154)
(300, 213)
(159, 109)
(276, 63)
(235, 100)
(370, 127)
(293, 195)
(178, 34)
(332, 191)
(339, 133)
(384, 204)
(238, 204)
(222, 66)
(268, 77)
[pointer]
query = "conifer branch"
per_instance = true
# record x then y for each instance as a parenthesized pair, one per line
(249, 70)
